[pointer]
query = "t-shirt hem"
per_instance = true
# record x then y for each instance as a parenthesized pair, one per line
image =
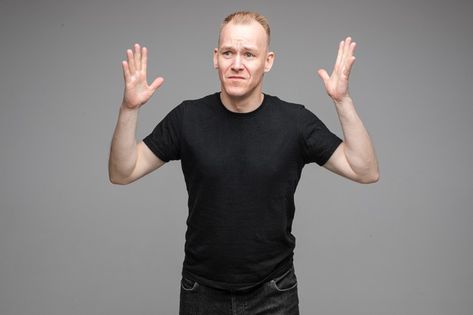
(154, 149)
(285, 265)
(329, 152)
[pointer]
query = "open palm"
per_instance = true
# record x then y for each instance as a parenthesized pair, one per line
(336, 84)
(137, 91)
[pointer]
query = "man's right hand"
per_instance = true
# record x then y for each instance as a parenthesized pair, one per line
(137, 91)
(128, 160)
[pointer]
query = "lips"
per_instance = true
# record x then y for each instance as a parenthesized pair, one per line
(236, 78)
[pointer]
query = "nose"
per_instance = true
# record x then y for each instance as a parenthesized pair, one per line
(237, 65)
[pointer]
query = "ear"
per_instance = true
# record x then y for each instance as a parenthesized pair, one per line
(268, 63)
(215, 58)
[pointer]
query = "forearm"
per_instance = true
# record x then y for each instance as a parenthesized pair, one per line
(359, 150)
(123, 154)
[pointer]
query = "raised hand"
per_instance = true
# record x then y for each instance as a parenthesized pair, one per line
(137, 91)
(337, 83)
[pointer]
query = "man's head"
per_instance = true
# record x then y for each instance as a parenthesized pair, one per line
(243, 55)
(246, 17)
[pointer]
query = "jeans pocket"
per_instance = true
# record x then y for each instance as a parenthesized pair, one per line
(285, 282)
(188, 284)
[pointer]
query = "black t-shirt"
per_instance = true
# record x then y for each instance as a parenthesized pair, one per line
(241, 172)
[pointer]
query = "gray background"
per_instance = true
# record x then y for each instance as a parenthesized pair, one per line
(72, 243)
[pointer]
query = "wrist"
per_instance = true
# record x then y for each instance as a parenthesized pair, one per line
(125, 107)
(343, 101)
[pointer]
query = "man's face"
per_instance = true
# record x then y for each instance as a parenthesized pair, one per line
(242, 58)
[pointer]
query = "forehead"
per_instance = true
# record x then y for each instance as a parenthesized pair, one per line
(251, 34)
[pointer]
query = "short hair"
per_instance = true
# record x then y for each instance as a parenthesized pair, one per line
(246, 17)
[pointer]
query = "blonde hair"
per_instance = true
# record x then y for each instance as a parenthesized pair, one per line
(246, 17)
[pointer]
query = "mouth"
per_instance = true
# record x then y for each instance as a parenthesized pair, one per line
(236, 78)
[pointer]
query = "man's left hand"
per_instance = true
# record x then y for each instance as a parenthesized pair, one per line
(337, 84)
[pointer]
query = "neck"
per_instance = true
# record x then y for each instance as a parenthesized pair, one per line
(244, 104)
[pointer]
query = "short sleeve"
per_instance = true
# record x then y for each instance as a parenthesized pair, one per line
(318, 142)
(164, 140)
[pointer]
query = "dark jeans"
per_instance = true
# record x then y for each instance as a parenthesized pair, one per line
(275, 297)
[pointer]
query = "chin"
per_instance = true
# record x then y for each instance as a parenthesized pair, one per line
(235, 91)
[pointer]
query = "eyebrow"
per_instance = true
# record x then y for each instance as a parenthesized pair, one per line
(249, 48)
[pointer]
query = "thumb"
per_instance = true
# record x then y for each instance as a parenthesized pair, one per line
(156, 83)
(323, 74)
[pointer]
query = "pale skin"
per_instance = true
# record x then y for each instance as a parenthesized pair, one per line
(241, 60)
(354, 159)
(128, 160)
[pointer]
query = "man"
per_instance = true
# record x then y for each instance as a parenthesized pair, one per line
(242, 152)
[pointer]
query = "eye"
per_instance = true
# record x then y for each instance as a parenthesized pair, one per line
(227, 53)
(249, 55)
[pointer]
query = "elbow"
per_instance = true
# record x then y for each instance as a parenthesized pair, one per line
(373, 179)
(116, 180)
(115, 177)
(369, 179)
(369, 174)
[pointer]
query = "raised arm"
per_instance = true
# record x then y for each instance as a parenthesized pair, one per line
(128, 160)
(355, 158)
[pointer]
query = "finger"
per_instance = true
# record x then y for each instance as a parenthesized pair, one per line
(349, 65)
(348, 41)
(137, 57)
(131, 61)
(126, 71)
(349, 59)
(323, 75)
(346, 49)
(156, 83)
(339, 56)
(352, 48)
(144, 59)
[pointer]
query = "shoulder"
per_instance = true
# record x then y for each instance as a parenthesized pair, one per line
(303, 117)
(289, 108)
(207, 99)
(197, 104)
(194, 110)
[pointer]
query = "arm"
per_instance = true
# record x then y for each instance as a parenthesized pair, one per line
(355, 158)
(128, 160)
